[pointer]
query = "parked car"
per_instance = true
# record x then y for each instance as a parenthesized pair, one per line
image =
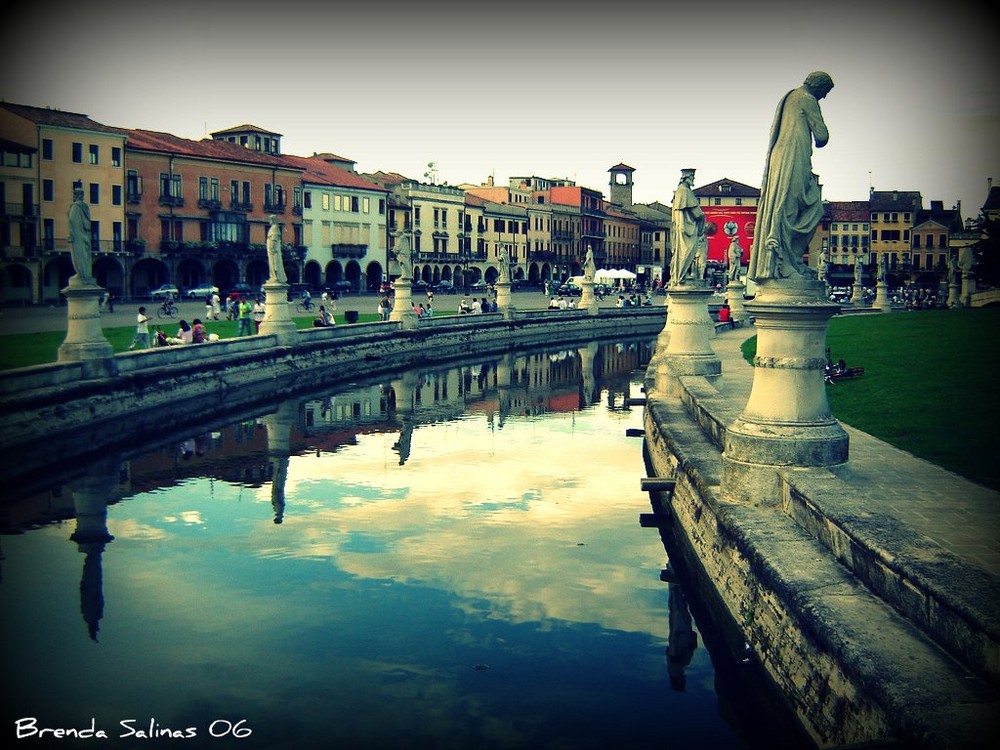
(243, 290)
(570, 290)
(340, 287)
(444, 287)
(478, 286)
(162, 291)
(419, 285)
(200, 292)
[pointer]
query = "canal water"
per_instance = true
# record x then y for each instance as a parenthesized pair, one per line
(445, 558)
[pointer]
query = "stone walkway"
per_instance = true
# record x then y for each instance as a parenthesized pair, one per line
(961, 516)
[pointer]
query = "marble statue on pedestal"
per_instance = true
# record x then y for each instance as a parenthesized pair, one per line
(80, 236)
(791, 205)
(589, 268)
(687, 231)
(883, 268)
(504, 262)
(859, 269)
(274, 252)
(401, 253)
(735, 258)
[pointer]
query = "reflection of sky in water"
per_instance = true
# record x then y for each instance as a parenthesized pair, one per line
(367, 618)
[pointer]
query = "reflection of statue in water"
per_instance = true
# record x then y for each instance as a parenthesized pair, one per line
(883, 267)
(80, 236)
(687, 231)
(402, 255)
(504, 261)
(790, 206)
(681, 640)
(589, 268)
(274, 252)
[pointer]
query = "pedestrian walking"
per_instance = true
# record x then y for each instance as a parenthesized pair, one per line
(245, 311)
(141, 338)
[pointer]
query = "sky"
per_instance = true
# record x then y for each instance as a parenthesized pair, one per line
(553, 89)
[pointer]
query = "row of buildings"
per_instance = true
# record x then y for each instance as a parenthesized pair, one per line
(166, 209)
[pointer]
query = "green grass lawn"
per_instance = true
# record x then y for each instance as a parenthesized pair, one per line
(928, 384)
(26, 349)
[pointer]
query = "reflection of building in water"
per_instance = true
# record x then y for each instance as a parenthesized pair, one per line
(614, 366)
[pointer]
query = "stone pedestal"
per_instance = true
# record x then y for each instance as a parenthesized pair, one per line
(857, 295)
(882, 297)
(85, 341)
(968, 288)
(735, 293)
(687, 334)
(277, 313)
(787, 419)
(402, 304)
(588, 301)
(505, 301)
(954, 298)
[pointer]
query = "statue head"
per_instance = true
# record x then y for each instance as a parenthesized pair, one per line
(687, 175)
(819, 83)
(78, 193)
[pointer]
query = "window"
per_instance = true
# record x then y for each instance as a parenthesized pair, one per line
(170, 185)
(47, 149)
(354, 203)
(48, 190)
(739, 201)
(895, 217)
(930, 241)
(95, 154)
(717, 201)
(307, 200)
(116, 156)
(326, 202)
(381, 206)
(202, 188)
(95, 193)
(416, 215)
(366, 205)
(943, 240)
(78, 153)
(116, 195)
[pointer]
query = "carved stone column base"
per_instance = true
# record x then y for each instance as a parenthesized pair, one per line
(505, 301)
(85, 341)
(954, 299)
(882, 297)
(588, 301)
(787, 419)
(857, 295)
(735, 293)
(277, 312)
(402, 305)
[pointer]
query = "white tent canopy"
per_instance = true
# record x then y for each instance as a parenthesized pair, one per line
(613, 274)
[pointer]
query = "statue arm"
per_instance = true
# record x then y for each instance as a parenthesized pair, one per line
(814, 117)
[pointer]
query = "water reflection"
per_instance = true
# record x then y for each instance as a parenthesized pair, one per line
(444, 557)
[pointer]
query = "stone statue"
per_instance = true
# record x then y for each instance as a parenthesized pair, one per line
(966, 259)
(821, 270)
(402, 254)
(687, 231)
(274, 252)
(735, 258)
(950, 261)
(791, 205)
(858, 270)
(504, 266)
(80, 236)
(589, 267)
(883, 268)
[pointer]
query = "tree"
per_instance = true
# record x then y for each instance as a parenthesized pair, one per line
(987, 250)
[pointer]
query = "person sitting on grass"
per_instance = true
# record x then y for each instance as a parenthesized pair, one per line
(323, 319)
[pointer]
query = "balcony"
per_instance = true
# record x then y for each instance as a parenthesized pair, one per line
(274, 208)
(211, 204)
(135, 247)
(171, 200)
(20, 252)
(562, 235)
(240, 206)
(133, 197)
(297, 210)
(344, 250)
(15, 210)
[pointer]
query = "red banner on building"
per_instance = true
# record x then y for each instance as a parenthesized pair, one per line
(724, 222)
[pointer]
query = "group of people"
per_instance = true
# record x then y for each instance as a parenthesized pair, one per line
(561, 303)
(476, 306)
(187, 333)
(633, 300)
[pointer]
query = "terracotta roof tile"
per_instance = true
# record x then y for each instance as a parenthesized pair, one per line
(736, 190)
(57, 118)
(151, 140)
(318, 171)
(894, 200)
(244, 129)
